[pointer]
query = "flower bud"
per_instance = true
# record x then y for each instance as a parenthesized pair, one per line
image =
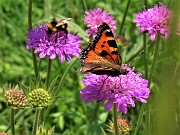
(16, 98)
(39, 98)
(124, 127)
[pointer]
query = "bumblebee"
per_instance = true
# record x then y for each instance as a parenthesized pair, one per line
(56, 26)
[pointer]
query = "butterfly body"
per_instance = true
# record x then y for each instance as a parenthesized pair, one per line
(101, 55)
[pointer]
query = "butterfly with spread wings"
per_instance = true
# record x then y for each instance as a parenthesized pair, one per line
(101, 56)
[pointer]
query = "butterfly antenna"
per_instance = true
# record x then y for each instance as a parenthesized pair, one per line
(139, 54)
(120, 81)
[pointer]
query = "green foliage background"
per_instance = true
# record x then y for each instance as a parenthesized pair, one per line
(69, 114)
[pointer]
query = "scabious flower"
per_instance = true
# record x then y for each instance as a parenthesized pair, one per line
(94, 18)
(39, 98)
(120, 90)
(53, 44)
(124, 127)
(155, 21)
(16, 98)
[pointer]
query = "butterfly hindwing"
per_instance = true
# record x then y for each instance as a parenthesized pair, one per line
(101, 55)
(98, 65)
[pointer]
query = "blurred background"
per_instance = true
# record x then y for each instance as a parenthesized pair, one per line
(69, 114)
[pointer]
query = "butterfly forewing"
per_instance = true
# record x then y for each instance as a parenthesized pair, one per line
(101, 55)
(105, 45)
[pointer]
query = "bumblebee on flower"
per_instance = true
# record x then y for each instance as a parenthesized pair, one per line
(55, 44)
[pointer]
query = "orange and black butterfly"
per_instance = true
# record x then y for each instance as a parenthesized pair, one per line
(56, 26)
(101, 56)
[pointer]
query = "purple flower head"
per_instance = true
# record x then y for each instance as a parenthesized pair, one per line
(94, 18)
(154, 21)
(53, 44)
(120, 90)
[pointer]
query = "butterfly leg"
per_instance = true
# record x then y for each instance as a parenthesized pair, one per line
(120, 82)
(104, 82)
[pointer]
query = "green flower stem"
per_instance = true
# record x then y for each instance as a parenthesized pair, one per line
(140, 118)
(35, 124)
(145, 56)
(154, 59)
(30, 14)
(35, 64)
(124, 17)
(18, 114)
(30, 27)
(115, 119)
(47, 8)
(139, 122)
(64, 75)
(60, 84)
(84, 5)
(147, 116)
(12, 121)
(135, 56)
(95, 111)
(48, 73)
(176, 70)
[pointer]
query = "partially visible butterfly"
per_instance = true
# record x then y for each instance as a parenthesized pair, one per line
(101, 55)
(56, 26)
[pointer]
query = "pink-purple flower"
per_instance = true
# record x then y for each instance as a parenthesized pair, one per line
(94, 18)
(121, 90)
(54, 44)
(155, 21)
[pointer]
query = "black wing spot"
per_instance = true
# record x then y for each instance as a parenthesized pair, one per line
(112, 43)
(104, 53)
(114, 52)
(102, 46)
(109, 33)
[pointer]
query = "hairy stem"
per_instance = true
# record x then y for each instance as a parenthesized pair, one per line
(154, 59)
(95, 111)
(12, 121)
(84, 5)
(145, 56)
(30, 27)
(64, 75)
(61, 83)
(124, 17)
(139, 122)
(35, 124)
(115, 119)
(48, 73)
(140, 118)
